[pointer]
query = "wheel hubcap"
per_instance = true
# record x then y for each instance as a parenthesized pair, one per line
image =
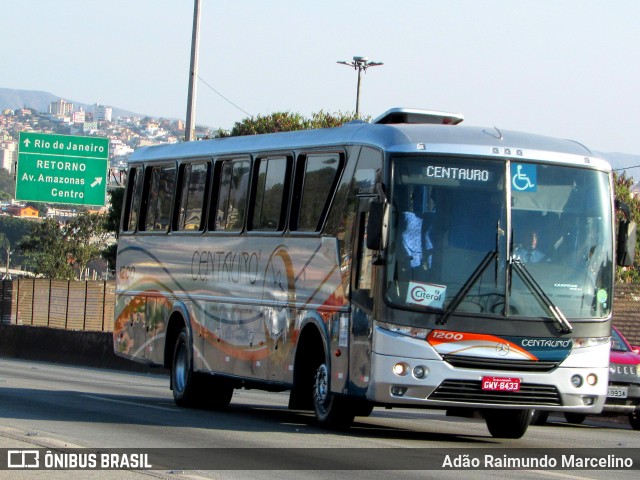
(180, 370)
(322, 385)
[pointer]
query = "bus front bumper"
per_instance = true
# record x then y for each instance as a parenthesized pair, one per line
(397, 381)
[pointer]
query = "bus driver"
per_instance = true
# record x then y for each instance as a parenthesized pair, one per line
(529, 252)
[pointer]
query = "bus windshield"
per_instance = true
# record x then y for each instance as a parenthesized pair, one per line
(454, 238)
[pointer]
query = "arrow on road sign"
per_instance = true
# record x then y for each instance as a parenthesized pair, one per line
(97, 181)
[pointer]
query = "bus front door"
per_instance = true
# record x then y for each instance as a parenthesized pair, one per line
(362, 287)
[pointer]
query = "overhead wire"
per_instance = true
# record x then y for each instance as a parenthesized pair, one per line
(222, 96)
(626, 168)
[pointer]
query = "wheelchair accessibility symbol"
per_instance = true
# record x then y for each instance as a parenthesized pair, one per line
(524, 179)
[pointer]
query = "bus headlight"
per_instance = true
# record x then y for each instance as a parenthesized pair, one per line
(420, 371)
(592, 379)
(577, 381)
(583, 342)
(414, 332)
(400, 369)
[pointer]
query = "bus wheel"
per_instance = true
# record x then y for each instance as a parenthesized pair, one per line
(576, 418)
(634, 420)
(507, 423)
(183, 379)
(362, 408)
(539, 417)
(218, 393)
(332, 411)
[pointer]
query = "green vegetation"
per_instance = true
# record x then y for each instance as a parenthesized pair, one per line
(7, 185)
(62, 251)
(622, 186)
(287, 122)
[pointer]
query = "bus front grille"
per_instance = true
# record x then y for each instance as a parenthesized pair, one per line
(470, 391)
(461, 361)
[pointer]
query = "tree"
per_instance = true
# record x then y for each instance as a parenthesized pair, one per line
(45, 251)
(63, 251)
(287, 122)
(86, 237)
(622, 186)
(112, 222)
(15, 229)
(112, 225)
(5, 251)
(7, 185)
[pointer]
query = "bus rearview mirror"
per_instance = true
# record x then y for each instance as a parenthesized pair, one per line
(626, 246)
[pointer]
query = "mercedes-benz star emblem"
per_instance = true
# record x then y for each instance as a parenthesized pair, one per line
(502, 349)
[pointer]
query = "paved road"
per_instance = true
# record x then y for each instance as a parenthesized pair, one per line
(54, 407)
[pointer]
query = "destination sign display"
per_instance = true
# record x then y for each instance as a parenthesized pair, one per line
(65, 169)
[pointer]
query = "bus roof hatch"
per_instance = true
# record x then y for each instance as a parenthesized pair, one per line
(412, 115)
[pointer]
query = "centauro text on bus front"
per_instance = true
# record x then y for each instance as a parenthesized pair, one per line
(404, 262)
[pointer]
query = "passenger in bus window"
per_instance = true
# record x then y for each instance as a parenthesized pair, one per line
(412, 238)
(528, 252)
(416, 241)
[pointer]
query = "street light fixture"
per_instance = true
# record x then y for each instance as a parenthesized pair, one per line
(360, 64)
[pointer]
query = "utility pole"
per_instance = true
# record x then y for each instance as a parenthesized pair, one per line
(189, 131)
(360, 64)
(7, 275)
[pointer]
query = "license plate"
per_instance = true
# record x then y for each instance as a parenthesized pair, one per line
(617, 392)
(501, 384)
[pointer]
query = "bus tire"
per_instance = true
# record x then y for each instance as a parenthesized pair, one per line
(332, 411)
(507, 423)
(218, 393)
(539, 417)
(634, 420)
(576, 418)
(183, 379)
(362, 408)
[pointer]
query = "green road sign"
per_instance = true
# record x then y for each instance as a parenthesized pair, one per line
(65, 169)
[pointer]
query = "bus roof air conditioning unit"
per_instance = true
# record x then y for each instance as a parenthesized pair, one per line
(412, 115)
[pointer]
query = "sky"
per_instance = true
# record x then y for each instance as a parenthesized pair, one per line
(565, 68)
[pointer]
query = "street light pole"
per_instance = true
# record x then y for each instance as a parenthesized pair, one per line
(193, 74)
(360, 64)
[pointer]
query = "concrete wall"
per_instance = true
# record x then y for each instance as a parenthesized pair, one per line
(92, 349)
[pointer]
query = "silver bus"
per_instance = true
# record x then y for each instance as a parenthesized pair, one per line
(405, 262)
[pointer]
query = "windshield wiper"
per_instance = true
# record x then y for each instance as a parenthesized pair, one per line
(535, 288)
(468, 284)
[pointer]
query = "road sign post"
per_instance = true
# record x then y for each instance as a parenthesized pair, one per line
(66, 169)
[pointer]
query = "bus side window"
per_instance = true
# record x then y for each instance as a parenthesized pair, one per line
(133, 200)
(194, 187)
(161, 183)
(230, 207)
(271, 193)
(317, 177)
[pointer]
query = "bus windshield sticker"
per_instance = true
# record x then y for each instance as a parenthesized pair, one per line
(524, 177)
(426, 294)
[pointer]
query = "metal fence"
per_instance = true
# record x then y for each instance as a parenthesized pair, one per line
(70, 305)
